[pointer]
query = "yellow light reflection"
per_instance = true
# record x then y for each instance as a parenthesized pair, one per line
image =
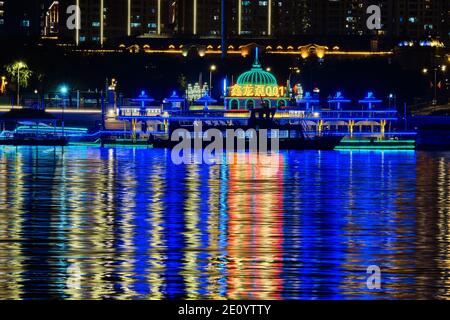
(157, 257)
(255, 230)
(11, 220)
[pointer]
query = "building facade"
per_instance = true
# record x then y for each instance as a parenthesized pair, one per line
(103, 20)
(50, 21)
(417, 19)
(2, 15)
(21, 18)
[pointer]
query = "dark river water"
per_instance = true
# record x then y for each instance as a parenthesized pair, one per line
(91, 223)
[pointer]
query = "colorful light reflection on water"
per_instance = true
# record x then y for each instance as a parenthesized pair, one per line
(95, 223)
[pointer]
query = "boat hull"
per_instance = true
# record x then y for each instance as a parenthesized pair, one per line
(35, 142)
(316, 143)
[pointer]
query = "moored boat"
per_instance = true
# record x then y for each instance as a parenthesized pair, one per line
(285, 137)
(34, 141)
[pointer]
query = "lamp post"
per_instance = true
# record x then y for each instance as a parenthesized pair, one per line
(442, 68)
(392, 100)
(63, 91)
(211, 70)
(20, 65)
(435, 87)
(18, 85)
(38, 103)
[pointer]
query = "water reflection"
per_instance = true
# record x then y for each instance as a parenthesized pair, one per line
(91, 223)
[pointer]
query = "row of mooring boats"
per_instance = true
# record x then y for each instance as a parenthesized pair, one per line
(261, 132)
(261, 127)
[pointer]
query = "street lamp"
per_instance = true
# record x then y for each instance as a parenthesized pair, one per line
(211, 70)
(442, 68)
(392, 100)
(63, 90)
(19, 66)
(38, 100)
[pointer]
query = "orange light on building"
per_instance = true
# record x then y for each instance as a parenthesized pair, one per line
(304, 53)
(3, 85)
(320, 53)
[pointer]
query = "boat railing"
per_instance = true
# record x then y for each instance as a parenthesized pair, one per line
(150, 112)
(136, 111)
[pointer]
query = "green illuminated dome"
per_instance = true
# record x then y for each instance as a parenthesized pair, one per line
(257, 76)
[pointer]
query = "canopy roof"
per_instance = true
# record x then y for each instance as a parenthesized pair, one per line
(206, 99)
(339, 98)
(370, 98)
(308, 98)
(174, 98)
(143, 97)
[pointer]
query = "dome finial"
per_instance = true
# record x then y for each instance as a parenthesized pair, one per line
(256, 63)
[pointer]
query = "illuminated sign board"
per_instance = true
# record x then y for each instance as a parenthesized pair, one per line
(257, 91)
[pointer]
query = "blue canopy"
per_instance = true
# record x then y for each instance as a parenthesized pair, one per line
(143, 97)
(308, 99)
(370, 100)
(174, 98)
(338, 99)
(206, 100)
